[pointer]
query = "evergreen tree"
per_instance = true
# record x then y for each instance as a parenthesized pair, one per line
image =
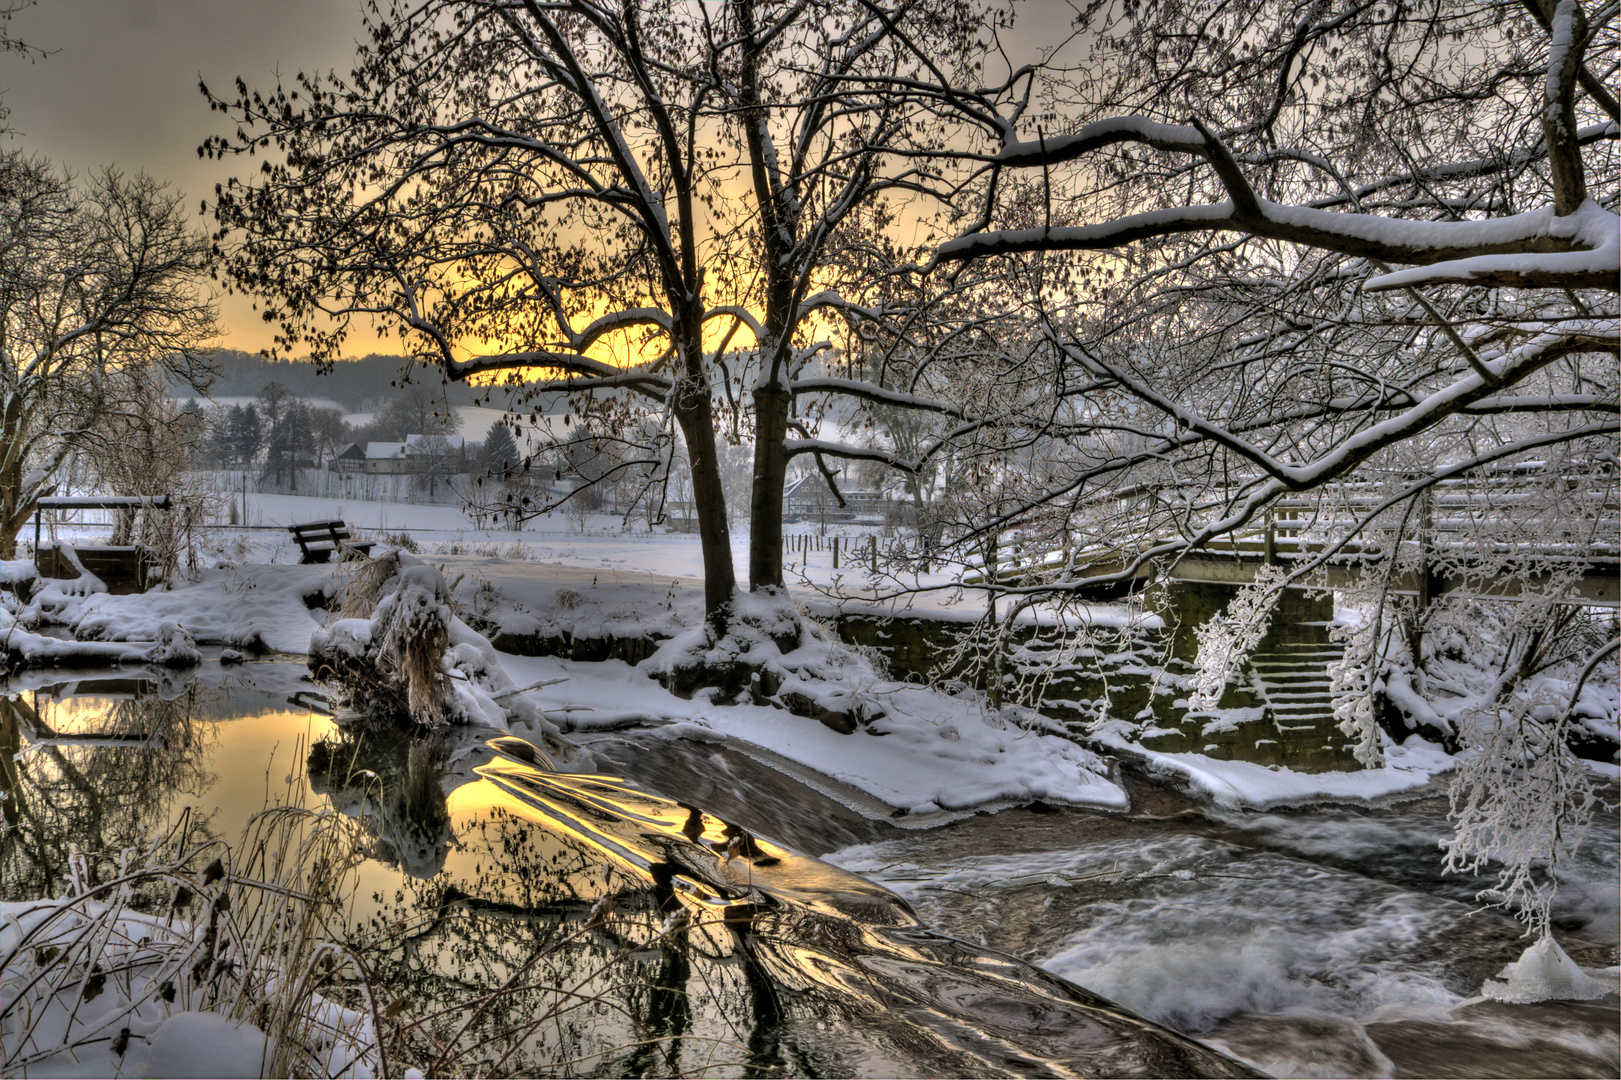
(238, 435)
(500, 450)
(250, 436)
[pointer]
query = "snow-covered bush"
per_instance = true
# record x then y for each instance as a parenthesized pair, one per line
(1521, 801)
(1352, 686)
(759, 630)
(1227, 639)
(174, 648)
(1511, 688)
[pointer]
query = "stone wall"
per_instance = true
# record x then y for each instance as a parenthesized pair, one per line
(1276, 712)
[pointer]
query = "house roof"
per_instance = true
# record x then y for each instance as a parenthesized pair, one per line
(377, 450)
(811, 487)
(793, 489)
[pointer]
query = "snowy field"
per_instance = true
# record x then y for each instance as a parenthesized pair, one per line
(600, 545)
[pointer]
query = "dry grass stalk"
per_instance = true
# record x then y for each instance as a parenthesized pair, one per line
(251, 933)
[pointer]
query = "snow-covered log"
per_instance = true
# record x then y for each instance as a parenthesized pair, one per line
(412, 661)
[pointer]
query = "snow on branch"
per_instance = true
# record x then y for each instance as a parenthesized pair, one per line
(823, 448)
(621, 320)
(1559, 109)
(1503, 369)
(573, 365)
(878, 395)
(1056, 149)
(1536, 249)
(1570, 244)
(1460, 170)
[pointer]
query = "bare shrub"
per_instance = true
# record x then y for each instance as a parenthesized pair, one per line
(402, 541)
(248, 932)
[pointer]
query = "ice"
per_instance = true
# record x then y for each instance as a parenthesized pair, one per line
(1543, 973)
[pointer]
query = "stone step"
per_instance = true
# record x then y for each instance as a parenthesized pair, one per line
(1302, 660)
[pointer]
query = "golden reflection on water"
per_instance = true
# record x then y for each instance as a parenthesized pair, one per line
(844, 951)
(112, 768)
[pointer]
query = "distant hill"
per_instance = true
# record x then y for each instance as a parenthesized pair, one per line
(351, 383)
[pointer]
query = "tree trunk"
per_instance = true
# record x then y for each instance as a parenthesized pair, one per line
(15, 509)
(11, 476)
(8, 533)
(770, 476)
(694, 413)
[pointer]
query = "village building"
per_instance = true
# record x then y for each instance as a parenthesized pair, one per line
(808, 499)
(417, 454)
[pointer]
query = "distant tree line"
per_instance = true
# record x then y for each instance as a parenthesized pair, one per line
(281, 431)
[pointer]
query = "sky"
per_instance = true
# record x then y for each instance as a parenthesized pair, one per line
(118, 86)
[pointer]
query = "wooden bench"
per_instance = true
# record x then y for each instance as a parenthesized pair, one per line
(319, 539)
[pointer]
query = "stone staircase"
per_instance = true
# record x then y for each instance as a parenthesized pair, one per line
(1291, 683)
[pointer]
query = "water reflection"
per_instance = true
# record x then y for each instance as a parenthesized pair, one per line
(396, 786)
(520, 921)
(781, 960)
(91, 767)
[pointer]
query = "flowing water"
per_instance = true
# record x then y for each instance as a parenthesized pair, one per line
(1323, 942)
(1318, 942)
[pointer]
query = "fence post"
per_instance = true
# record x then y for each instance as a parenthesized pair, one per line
(835, 553)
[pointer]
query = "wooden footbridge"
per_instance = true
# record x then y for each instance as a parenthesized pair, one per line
(1455, 548)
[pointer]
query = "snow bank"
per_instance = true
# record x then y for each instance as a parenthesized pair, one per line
(252, 607)
(1244, 785)
(18, 575)
(203, 1044)
(25, 649)
(928, 754)
(823, 707)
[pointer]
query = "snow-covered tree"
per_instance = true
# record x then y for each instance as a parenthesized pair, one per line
(1251, 302)
(1359, 260)
(609, 199)
(98, 281)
